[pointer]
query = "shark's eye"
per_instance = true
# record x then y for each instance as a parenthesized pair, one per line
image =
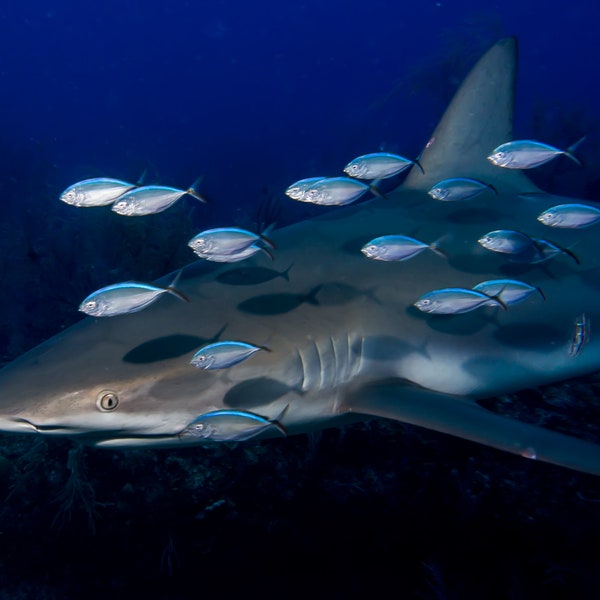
(107, 401)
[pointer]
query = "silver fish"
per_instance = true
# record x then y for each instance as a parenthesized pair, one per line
(230, 426)
(570, 216)
(459, 188)
(581, 334)
(335, 191)
(396, 248)
(96, 192)
(125, 298)
(297, 190)
(222, 355)
(527, 154)
(378, 165)
(225, 240)
(509, 291)
(455, 301)
(507, 241)
(236, 256)
(151, 199)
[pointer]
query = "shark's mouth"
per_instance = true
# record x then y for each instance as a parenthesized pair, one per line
(106, 438)
(58, 429)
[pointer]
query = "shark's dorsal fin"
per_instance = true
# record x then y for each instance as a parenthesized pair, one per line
(479, 118)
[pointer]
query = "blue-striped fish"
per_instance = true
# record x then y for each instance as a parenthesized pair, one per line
(509, 291)
(455, 301)
(222, 355)
(570, 216)
(396, 248)
(225, 241)
(459, 188)
(508, 241)
(228, 425)
(378, 165)
(125, 298)
(100, 191)
(297, 190)
(335, 191)
(151, 199)
(527, 154)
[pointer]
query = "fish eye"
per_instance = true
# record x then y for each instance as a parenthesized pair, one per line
(91, 305)
(425, 302)
(107, 401)
(200, 361)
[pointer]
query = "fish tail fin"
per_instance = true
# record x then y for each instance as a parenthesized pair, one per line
(263, 235)
(435, 245)
(570, 151)
(141, 178)
(178, 294)
(376, 191)
(496, 298)
(276, 422)
(173, 290)
(418, 163)
(267, 252)
(568, 252)
(265, 240)
(435, 248)
(541, 292)
(193, 190)
(500, 301)
(491, 187)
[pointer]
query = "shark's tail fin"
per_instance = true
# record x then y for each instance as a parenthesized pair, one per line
(479, 118)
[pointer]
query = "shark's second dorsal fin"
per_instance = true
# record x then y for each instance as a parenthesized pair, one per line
(479, 118)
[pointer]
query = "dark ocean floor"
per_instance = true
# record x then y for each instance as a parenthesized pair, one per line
(376, 509)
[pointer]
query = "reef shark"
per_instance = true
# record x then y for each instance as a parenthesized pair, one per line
(345, 341)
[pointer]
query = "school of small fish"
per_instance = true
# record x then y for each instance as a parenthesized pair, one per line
(516, 245)
(233, 244)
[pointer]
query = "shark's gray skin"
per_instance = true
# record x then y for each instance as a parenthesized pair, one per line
(345, 340)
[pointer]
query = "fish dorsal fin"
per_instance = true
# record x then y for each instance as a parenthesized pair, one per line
(479, 118)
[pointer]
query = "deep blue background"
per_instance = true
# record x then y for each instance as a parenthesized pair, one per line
(254, 94)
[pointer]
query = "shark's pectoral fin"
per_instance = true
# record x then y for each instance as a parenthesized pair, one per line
(462, 417)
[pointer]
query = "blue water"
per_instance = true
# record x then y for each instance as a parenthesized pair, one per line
(253, 96)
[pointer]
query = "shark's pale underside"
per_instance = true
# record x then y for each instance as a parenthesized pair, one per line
(345, 339)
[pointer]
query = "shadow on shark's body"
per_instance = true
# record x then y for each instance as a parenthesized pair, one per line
(364, 352)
